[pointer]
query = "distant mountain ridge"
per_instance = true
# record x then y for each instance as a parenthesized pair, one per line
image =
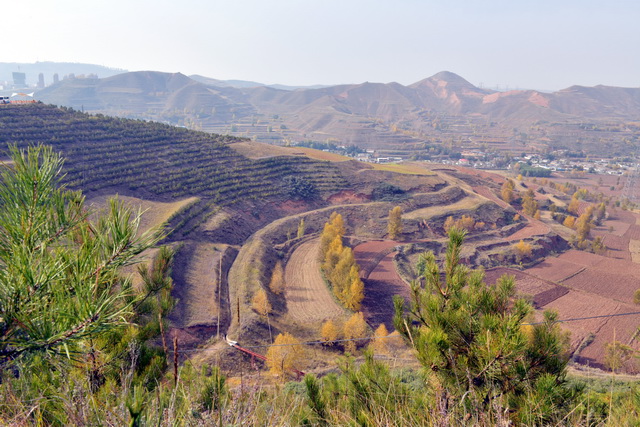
(366, 114)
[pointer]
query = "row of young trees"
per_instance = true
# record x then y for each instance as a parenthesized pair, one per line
(105, 152)
(339, 265)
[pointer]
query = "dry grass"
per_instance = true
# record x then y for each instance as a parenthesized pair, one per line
(154, 213)
(319, 155)
(634, 248)
(408, 169)
(199, 288)
(258, 150)
(469, 202)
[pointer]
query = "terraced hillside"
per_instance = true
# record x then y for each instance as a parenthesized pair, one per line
(156, 160)
(237, 209)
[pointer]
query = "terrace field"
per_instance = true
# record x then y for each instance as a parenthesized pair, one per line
(235, 208)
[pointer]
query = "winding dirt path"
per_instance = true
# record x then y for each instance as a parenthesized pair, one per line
(308, 298)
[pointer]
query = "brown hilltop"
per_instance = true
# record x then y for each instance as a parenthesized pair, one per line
(371, 115)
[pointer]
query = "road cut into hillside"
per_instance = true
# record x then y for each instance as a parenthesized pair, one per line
(307, 295)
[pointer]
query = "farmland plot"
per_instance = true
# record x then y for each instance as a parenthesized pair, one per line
(196, 273)
(369, 254)
(577, 304)
(307, 295)
(379, 288)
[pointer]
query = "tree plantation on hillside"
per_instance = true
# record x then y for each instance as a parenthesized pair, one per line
(164, 161)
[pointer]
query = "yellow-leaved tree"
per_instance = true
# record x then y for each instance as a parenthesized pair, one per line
(529, 203)
(354, 329)
(569, 221)
(301, 229)
(329, 332)
(379, 343)
(522, 250)
(339, 265)
(507, 191)
(356, 290)
(574, 205)
(285, 354)
(394, 226)
(277, 279)
(260, 303)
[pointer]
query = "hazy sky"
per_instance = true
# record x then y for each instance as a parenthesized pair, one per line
(537, 44)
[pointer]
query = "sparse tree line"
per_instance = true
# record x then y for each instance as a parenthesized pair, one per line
(573, 216)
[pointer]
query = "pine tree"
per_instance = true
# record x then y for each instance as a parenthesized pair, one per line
(469, 336)
(394, 226)
(59, 282)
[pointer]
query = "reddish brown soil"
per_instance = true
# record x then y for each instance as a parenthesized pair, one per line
(369, 254)
(347, 197)
(582, 304)
(599, 285)
(633, 232)
(541, 291)
(617, 247)
(486, 192)
(379, 289)
(533, 228)
(555, 269)
(605, 283)
(585, 259)
(489, 176)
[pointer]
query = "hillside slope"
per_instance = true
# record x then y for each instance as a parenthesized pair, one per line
(371, 115)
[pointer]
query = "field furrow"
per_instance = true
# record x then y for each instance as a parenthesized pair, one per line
(307, 295)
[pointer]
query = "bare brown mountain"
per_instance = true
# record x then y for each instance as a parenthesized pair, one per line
(443, 107)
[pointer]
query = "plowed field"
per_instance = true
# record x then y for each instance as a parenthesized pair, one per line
(604, 283)
(307, 295)
(369, 254)
(533, 228)
(555, 269)
(379, 288)
(541, 291)
(582, 304)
